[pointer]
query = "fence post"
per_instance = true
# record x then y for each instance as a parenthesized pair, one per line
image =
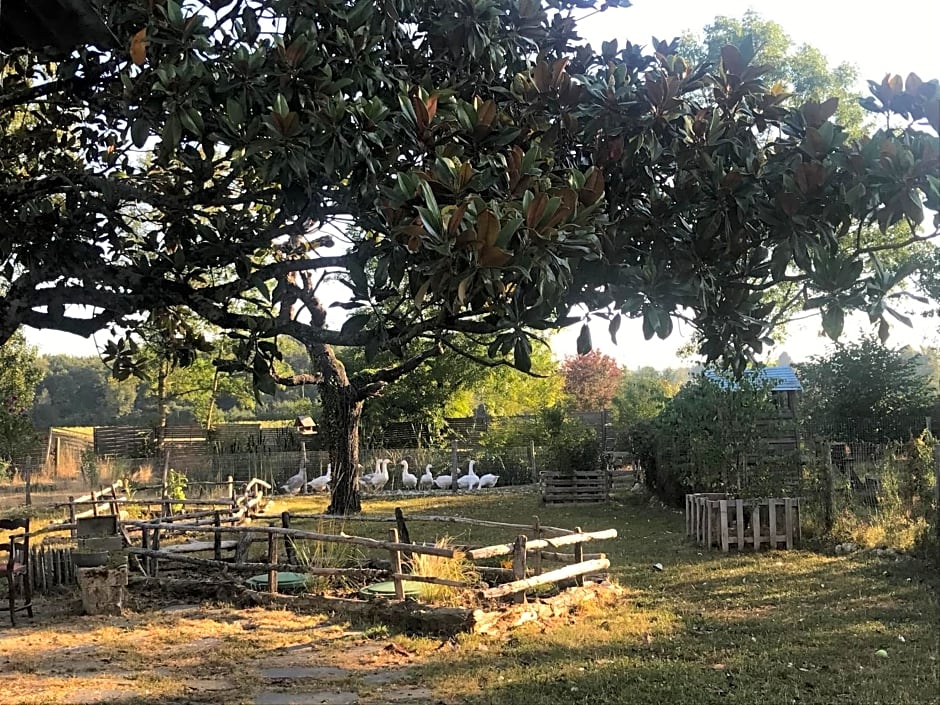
(231, 488)
(217, 536)
(155, 545)
(272, 562)
(454, 467)
(532, 469)
(824, 453)
(396, 565)
(936, 467)
(518, 564)
(289, 548)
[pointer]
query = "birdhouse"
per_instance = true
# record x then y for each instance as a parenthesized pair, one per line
(305, 426)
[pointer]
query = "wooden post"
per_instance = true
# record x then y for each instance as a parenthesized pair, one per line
(95, 496)
(532, 466)
(114, 505)
(772, 510)
(739, 521)
(454, 467)
(231, 488)
(217, 536)
(518, 564)
(578, 557)
(788, 520)
(396, 563)
(537, 556)
(403, 532)
(58, 455)
(72, 520)
(155, 545)
(709, 524)
(145, 544)
(28, 479)
(272, 561)
(723, 523)
(827, 486)
(289, 547)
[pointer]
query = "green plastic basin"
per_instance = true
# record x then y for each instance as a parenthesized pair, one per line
(387, 589)
(286, 582)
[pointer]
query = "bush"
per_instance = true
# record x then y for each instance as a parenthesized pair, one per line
(572, 446)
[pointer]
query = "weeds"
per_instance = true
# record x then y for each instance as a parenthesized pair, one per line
(323, 554)
(456, 569)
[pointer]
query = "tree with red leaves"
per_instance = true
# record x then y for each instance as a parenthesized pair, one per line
(591, 380)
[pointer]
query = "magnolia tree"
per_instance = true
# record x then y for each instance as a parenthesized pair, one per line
(458, 167)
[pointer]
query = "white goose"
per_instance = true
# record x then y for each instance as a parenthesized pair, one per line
(408, 480)
(295, 482)
(427, 479)
(488, 480)
(373, 477)
(319, 484)
(379, 479)
(470, 480)
(444, 482)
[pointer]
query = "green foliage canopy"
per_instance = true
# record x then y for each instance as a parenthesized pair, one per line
(864, 390)
(19, 375)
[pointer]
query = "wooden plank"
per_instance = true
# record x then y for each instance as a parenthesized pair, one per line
(723, 523)
(755, 525)
(396, 564)
(772, 512)
(196, 546)
(788, 516)
(739, 519)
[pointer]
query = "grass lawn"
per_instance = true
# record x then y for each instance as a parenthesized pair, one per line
(775, 627)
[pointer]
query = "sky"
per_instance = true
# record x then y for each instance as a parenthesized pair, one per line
(896, 37)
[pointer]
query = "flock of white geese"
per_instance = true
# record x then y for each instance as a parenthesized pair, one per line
(379, 479)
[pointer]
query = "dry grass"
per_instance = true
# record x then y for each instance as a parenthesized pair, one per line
(457, 569)
(773, 627)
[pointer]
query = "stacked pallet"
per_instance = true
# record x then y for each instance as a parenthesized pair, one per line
(580, 486)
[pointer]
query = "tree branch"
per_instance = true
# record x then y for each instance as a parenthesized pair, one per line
(369, 384)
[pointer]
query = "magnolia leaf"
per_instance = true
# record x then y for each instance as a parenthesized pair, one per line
(584, 344)
(833, 320)
(138, 49)
(613, 327)
(884, 330)
(521, 355)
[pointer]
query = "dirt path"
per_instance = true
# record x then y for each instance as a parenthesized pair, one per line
(204, 654)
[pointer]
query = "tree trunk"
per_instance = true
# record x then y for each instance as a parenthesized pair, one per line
(342, 409)
(163, 371)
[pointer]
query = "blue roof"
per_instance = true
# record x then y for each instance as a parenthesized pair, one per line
(784, 378)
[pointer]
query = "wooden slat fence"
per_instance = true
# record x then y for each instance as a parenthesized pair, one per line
(717, 520)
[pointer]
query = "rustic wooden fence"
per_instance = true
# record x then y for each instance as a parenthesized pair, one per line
(527, 553)
(715, 519)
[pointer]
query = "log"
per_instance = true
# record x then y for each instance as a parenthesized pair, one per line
(432, 580)
(432, 518)
(225, 566)
(551, 576)
(301, 534)
(568, 540)
(569, 557)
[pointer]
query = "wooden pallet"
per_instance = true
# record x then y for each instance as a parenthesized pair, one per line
(721, 521)
(560, 487)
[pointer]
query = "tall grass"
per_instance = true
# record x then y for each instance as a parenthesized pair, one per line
(457, 569)
(326, 554)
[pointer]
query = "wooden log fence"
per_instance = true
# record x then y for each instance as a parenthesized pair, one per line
(433, 518)
(717, 520)
(522, 576)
